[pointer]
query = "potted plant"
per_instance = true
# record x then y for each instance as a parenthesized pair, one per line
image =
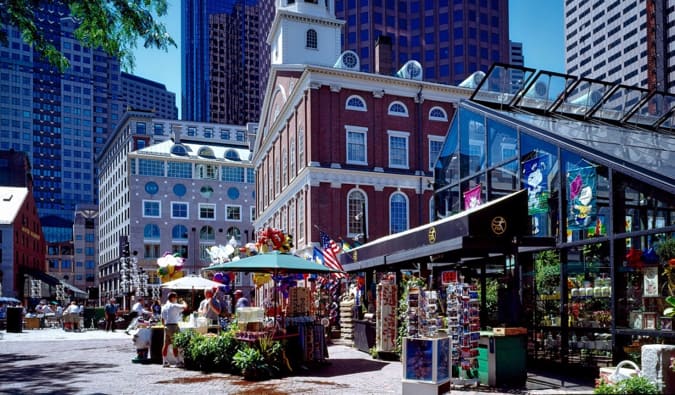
(632, 385)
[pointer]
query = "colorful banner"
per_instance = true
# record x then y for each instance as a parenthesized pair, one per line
(581, 207)
(472, 197)
(535, 176)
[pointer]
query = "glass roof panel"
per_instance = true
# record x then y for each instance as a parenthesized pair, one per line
(619, 102)
(544, 91)
(502, 83)
(651, 111)
(583, 96)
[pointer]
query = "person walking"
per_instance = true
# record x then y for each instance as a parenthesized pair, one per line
(72, 314)
(110, 315)
(156, 310)
(172, 314)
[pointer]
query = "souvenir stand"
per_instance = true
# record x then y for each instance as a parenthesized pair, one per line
(299, 320)
(426, 351)
(464, 329)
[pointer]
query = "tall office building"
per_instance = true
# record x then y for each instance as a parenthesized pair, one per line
(235, 18)
(143, 94)
(234, 96)
(451, 39)
(61, 120)
(627, 42)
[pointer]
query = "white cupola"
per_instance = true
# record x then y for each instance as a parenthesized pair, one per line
(305, 32)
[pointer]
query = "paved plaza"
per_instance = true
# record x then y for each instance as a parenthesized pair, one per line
(51, 361)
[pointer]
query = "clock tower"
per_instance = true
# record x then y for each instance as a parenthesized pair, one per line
(305, 32)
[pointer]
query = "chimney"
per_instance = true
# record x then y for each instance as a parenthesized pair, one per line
(383, 61)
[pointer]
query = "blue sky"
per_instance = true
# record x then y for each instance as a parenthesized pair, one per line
(537, 24)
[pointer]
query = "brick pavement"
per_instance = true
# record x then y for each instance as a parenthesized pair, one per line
(52, 361)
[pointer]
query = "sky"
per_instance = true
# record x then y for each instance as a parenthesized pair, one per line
(535, 23)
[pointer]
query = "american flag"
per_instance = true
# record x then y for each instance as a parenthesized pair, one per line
(330, 251)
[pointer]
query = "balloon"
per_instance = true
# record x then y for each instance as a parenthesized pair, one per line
(171, 269)
(231, 276)
(163, 271)
(218, 277)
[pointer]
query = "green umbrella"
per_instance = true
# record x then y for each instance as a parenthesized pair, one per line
(272, 262)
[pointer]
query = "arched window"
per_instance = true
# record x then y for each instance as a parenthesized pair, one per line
(356, 213)
(207, 233)
(151, 231)
(438, 114)
(312, 41)
(179, 232)
(179, 150)
(398, 213)
(355, 103)
(232, 155)
(398, 109)
(233, 232)
(206, 152)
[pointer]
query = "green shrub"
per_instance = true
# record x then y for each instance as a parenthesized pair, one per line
(637, 385)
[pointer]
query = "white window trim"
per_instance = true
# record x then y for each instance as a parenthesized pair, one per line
(406, 136)
(356, 129)
(152, 201)
(434, 118)
(438, 139)
(355, 108)
(397, 114)
(365, 200)
(188, 210)
(215, 211)
(240, 213)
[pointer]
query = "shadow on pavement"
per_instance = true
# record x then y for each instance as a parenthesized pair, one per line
(340, 367)
(40, 377)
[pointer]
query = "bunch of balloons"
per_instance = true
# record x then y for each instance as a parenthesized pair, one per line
(225, 279)
(274, 239)
(170, 266)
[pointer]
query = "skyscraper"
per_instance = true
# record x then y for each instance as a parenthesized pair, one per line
(61, 120)
(232, 22)
(143, 94)
(621, 41)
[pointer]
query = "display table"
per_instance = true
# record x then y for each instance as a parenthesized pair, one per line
(32, 323)
(505, 358)
(426, 365)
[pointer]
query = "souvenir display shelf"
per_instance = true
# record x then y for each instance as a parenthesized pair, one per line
(386, 322)
(464, 330)
(426, 364)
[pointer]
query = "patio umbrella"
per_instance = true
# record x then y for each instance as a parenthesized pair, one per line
(191, 282)
(272, 262)
(9, 299)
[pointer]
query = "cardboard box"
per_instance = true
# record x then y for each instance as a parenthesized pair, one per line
(509, 331)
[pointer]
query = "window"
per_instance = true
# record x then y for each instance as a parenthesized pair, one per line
(356, 209)
(435, 145)
(207, 211)
(152, 209)
(179, 170)
(233, 232)
(158, 129)
(147, 167)
(179, 232)
(312, 41)
(398, 213)
(207, 233)
(232, 213)
(140, 127)
(179, 210)
(398, 109)
(207, 172)
(151, 231)
(356, 145)
(232, 174)
(252, 213)
(398, 149)
(438, 114)
(355, 103)
(151, 251)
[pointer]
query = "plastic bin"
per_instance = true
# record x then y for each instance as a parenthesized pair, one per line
(14, 319)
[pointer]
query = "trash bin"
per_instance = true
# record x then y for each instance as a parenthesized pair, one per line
(14, 319)
(156, 345)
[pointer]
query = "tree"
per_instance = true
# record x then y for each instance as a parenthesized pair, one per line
(115, 26)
